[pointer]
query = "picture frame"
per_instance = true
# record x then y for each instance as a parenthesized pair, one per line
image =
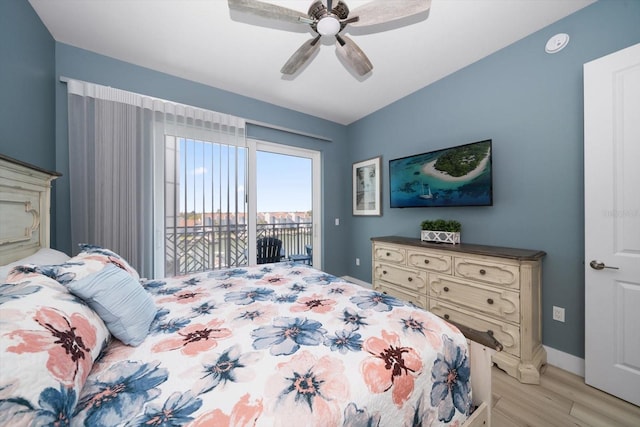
(367, 187)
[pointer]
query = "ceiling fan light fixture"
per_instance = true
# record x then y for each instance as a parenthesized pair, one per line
(329, 18)
(328, 26)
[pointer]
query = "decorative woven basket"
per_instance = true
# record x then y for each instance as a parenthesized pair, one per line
(440, 236)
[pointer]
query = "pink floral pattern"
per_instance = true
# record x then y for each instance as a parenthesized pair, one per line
(274, 280)
(186, 296)
(195, 338)
(243, 414)
(392, 366)
(47, 353)
(316, 303)
(67, 340)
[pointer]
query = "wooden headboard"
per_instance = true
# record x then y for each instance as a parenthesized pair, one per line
(25, 192)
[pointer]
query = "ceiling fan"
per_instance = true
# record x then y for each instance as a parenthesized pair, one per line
(329, 20)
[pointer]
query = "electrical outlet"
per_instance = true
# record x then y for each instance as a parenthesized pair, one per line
(357, 261)
(558, 313)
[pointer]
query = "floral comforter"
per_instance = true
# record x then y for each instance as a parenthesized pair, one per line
(279, 345)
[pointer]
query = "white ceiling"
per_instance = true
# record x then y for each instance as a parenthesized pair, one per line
(201, 41)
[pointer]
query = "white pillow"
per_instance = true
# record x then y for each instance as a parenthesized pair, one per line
(44, 256)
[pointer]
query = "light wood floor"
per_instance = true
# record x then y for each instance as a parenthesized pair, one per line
(562, 399)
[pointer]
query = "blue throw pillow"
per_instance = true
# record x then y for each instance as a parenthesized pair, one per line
(122, 303)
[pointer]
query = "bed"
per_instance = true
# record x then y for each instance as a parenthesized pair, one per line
(85, 341)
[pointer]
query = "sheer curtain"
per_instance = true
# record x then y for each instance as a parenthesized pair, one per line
(116, 163)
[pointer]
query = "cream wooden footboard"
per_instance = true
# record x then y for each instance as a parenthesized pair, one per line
(482, 346)
(480, 384)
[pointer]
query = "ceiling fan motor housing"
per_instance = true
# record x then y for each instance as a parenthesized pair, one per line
(327, 22)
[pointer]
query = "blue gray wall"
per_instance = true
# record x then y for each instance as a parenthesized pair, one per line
(26, 85)
(531, 105)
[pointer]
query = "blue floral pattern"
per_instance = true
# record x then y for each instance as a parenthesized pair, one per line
(376, 301)
(286, 335)
(451, 381)
(344, 341)
(10, 291)
(176, 411)
(120, 393)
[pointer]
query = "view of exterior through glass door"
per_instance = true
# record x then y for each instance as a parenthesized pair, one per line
(284, 203)
(284, 200)
(205, 208)
(220, 199)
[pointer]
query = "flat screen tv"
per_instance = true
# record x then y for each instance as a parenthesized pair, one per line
(456, 176)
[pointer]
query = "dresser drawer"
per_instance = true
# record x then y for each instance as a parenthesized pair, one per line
(429, 261)
(407, 278)
(508, 335)
(402, 294)
(392, 254)
(496, 302)
(505, 275)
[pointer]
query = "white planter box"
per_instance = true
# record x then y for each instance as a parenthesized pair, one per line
(439, 236)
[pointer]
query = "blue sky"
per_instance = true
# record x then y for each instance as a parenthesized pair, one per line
(284, 182)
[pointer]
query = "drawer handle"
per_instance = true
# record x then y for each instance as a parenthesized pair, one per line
(446, 316)
(410, 279)
(384, 271)
(446, 289)
(384, 292)
(426, 261)
(483, 271)
(490, 301)
(388, 253)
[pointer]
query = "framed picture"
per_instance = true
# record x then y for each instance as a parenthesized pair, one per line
(367, 187)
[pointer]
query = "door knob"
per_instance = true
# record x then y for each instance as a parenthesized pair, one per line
(598, 265)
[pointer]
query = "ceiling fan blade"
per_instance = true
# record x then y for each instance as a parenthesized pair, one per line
(352, 55)
(383, 11)
(301, 56)
(268, 10)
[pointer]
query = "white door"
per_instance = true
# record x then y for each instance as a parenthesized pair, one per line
(612, 223)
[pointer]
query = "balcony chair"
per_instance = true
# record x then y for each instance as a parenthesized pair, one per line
(268, 250)
(306, 258)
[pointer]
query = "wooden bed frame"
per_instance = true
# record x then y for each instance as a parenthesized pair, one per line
(25, 225)
(24, 209)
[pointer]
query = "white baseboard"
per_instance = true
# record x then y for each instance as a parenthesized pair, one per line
(557, 358)
(357, 281)
(565, 361)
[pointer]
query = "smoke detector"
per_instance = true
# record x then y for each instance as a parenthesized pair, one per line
(556, 43)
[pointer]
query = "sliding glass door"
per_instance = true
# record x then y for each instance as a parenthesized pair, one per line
(216, 200)
(285, 203)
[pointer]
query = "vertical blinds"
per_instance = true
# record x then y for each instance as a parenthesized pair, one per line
(116, 158)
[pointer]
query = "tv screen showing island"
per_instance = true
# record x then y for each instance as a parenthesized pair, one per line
(457, 176)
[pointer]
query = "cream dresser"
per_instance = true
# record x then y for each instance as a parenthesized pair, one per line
(487, 288)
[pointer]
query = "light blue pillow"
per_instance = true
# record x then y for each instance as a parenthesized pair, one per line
(122, 303)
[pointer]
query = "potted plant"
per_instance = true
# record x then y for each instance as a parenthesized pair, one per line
(440, 230)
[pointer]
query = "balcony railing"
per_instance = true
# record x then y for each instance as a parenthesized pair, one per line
(199, 248)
